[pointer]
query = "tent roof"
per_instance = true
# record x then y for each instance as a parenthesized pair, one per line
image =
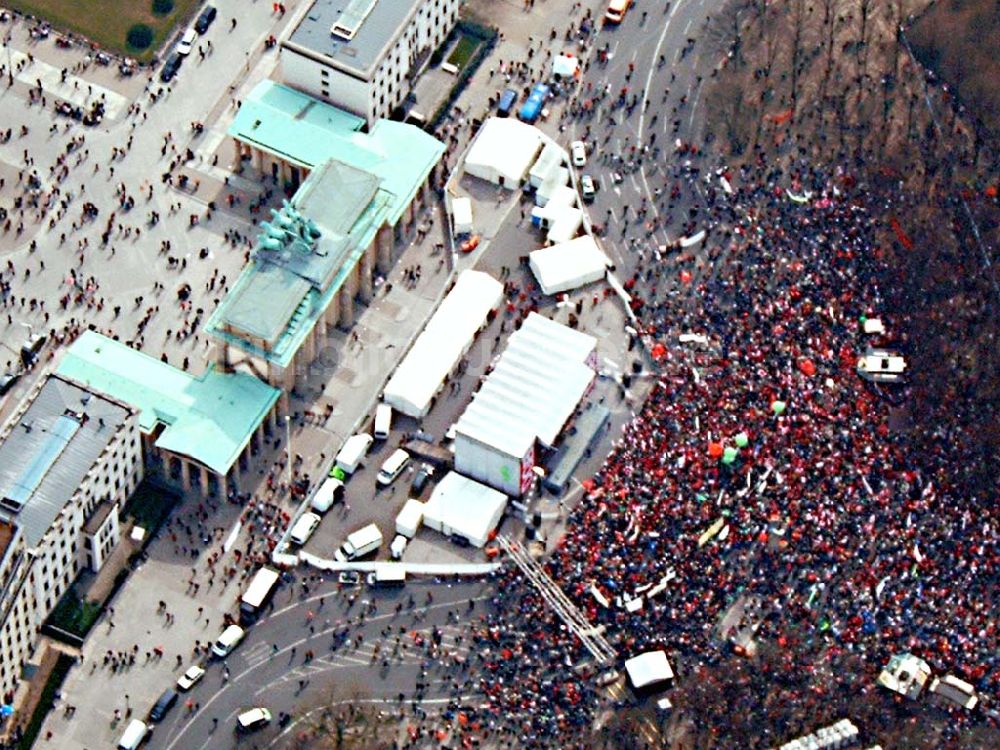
(534, 388)
(443, 341)
(648, 669)
(465, 505)
(568, 264)
(505, 144)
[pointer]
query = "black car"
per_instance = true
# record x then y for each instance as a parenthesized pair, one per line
(7, 381)
(421, 478)
(170, 67)
(163, 704)
(205, 19)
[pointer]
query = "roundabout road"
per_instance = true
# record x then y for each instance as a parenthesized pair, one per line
(353, 637)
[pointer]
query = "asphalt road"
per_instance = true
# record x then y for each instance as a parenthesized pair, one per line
(660, 89)
(283, 680)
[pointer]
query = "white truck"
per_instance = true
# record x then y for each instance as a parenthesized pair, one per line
(360, 543)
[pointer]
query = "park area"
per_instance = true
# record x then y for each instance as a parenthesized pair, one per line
(136, 28)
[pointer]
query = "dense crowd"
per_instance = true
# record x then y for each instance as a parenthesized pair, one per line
(853, 545)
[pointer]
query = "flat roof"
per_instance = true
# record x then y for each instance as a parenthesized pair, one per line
(532, 391)
(100, 515)
(209, 418)
(46, 455)
(298, 128)
(366, 29)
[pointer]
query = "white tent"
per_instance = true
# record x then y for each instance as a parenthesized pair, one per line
(539, 380)
(568, 265)
(648, 670)
(553, 156)
(564, 224)
(443, 342)
(459, 505)
(461, 212)
(503, 152)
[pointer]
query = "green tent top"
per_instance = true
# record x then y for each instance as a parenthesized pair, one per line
(209, 419)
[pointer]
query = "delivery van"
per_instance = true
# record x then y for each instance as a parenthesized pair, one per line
(134, 734)
(383, 421)
(330, 492)
(354, 450)
(393, 467)
(387, 576)
(304, 528)
(362, 542)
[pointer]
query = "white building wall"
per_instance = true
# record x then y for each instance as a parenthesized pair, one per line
(60, 554)
(388, 85)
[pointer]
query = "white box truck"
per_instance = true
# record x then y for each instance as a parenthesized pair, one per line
(410, 518)
(354, 450)
(360, 543)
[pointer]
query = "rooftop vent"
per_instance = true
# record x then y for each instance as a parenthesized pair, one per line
(351, 18)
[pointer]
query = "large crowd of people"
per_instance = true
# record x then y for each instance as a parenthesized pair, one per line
(852, 545)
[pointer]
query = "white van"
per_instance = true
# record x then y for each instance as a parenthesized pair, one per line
(304, 528)
(383, 421)
(229, 640)
(398, 547)
(393, 467)
(330, 492)
(354, 450)
(360, 543)
(134, 734)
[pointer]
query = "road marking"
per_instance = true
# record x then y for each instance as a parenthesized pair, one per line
(301, 641)
(231, 539)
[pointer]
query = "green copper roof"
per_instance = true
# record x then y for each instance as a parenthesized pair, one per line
(308, 132)
(209, 418)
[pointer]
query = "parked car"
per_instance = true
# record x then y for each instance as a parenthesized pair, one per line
(579, 153)
(190, 678)
(507, 101)
(163, 704)
(393, 467)
(205, 19)
(170, 67)
(421, 478)
(186, 44)
(587, 188)
(253, 719)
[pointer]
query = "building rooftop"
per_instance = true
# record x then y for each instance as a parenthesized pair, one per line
(209, 419)
(352, 35)
(46, 455)
(534, 388)
(282, 292)
(305, 131)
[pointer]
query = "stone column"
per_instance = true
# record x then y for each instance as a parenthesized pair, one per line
(346, 306)
(384, 239)
(203, 475)
(185, 475)
(367, 264)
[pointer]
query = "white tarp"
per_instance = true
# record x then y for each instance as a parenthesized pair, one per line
(443, 342)
(504, 150)
(539, 380)
(461, 212)
(568, 265)
(565, 65)
(459, 505)
(648, 669)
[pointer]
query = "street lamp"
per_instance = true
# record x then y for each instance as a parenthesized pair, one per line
(288, 450)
